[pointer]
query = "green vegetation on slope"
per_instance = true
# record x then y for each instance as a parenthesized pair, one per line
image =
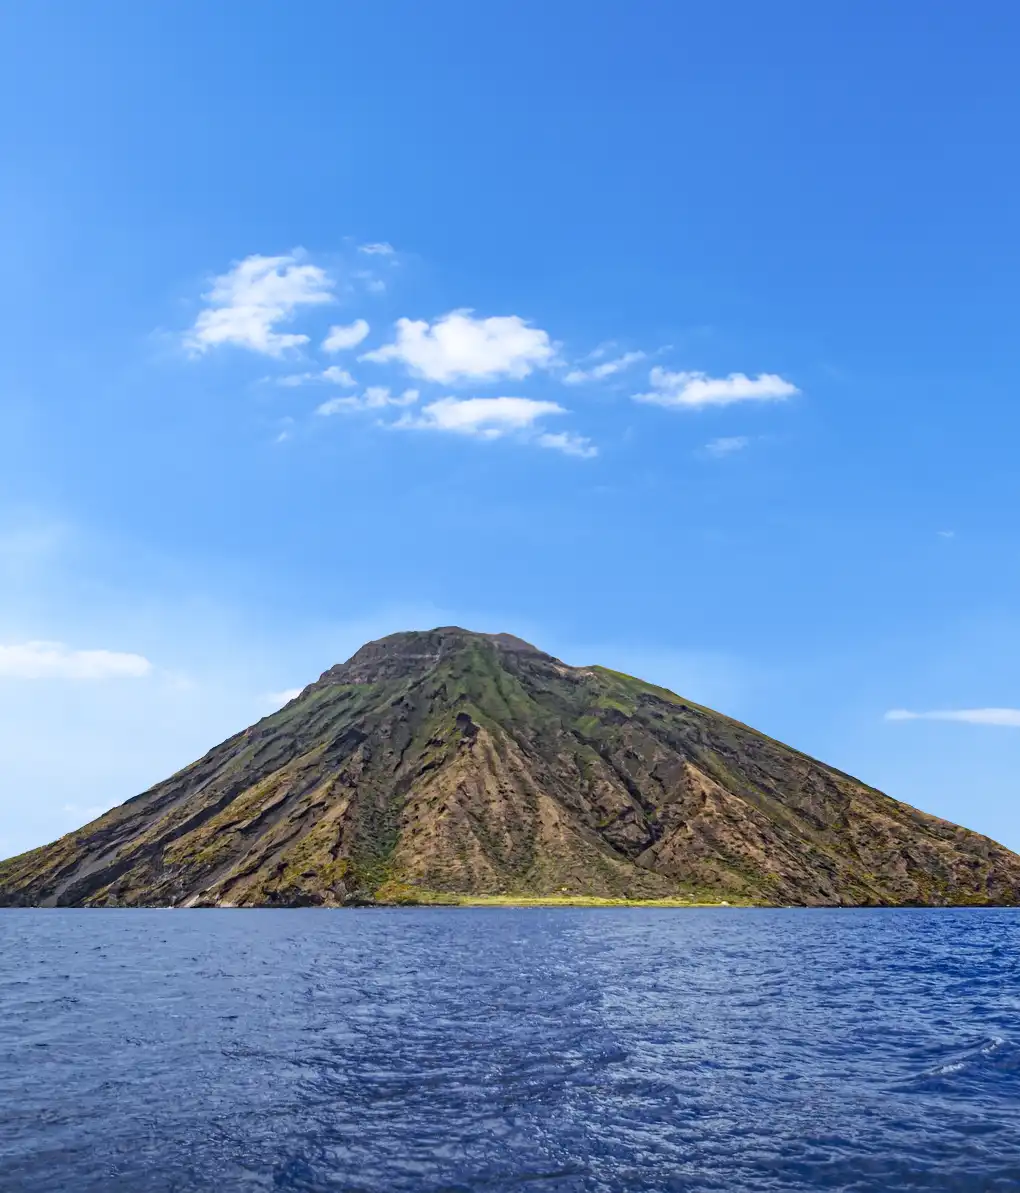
(451, 767)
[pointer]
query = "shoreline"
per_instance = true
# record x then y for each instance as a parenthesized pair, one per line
(447, 899)
(520, 902)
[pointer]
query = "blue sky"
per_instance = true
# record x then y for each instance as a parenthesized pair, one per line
(676, 337)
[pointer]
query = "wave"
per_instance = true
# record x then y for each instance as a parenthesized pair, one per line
(994, 1059)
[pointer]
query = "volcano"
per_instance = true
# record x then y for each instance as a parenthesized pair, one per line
(444, 764)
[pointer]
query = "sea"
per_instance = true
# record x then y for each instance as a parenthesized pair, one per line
(567, 1050)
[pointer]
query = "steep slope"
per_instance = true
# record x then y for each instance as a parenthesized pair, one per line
(449, 761)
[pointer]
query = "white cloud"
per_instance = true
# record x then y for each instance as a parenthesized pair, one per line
(480, 418)
(946, 534)
(343, 336)
(727, 445)
(54, 660)
(375, 397)
(693, 389)
(486, 418)
(279, 699)
(379, 249)
(459, 347)
(970, 716)
(373, 283)
(334, 375)
(247, 303)
(337, 376)
(339, 406)
(568, 443)
(606, 369)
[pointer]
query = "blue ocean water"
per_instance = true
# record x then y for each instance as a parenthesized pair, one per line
(566, 1050)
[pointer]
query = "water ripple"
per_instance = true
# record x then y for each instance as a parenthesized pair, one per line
(568, 1051)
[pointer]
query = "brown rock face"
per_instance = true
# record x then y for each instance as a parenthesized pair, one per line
(449, 761)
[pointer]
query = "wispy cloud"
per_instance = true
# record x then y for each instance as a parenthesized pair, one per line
(607, 369)
(459, 347)
(54, 660)
(727, 445)
(372, 282)
(971, 716)
(246, 304)
(478, 418)
(345, 335)
(946, 534)
(279, 699)
(375, 397)
(568, 443)
(377, 249)
(334, 375)
(694, 389)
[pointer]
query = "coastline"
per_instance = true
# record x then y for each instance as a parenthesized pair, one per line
(409, 897)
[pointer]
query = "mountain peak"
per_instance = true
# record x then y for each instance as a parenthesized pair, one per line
(414, 651)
